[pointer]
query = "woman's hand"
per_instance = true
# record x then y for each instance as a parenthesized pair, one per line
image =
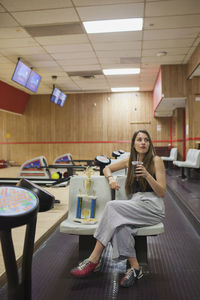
(113, 183)
(141, 171)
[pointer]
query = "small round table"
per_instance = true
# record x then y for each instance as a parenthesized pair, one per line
(18, 206)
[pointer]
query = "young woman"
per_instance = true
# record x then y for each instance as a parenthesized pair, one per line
(121, 218)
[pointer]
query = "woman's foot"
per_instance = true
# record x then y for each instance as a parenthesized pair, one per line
(130, 277)
(84, 269)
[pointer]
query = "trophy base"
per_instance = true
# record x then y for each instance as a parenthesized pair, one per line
(86, 221)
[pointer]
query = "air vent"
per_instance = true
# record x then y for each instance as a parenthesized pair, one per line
(85, 74)
(50, 30)
(129, 60)
(88, 76)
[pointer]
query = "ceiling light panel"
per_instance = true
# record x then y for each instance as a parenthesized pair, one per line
(120, 25)
(125, 89)
(126, 71)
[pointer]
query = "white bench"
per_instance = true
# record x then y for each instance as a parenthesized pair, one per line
(85, 232)
(172, 156)
(143, 232)
(192, 161)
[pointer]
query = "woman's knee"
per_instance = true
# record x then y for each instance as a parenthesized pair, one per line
(112, 204)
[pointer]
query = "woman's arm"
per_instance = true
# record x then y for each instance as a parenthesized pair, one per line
(158, 184)
(107, 171)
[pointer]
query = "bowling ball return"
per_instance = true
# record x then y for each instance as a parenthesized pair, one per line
(102, 161)
(116, 154)
(46, 199)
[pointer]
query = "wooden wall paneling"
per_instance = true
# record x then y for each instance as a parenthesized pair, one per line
(192, 111)
(50, 130)
(178, 123)
(195, 83)
(193, 62)
(173, 81)
(117, 116)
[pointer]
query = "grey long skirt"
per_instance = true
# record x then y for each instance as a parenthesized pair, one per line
(121, 218)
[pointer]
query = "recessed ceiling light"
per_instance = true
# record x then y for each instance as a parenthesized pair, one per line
(126, 71)
(161, 53)
(125, 89)
(117, 25)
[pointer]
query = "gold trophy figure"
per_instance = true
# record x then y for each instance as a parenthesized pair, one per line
(88, 181)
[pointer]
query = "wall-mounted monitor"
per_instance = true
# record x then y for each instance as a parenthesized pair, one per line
(25, 76)
(58, 97)
(21, 73)
(33, 81)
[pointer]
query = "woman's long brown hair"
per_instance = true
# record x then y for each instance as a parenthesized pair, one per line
(147, 162)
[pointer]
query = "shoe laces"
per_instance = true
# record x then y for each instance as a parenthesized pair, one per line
(83, 264)
(129, 272)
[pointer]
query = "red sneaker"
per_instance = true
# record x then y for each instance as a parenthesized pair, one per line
(85, 268)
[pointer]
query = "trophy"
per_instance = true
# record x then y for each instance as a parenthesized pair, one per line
(88, 181)
(86, 204)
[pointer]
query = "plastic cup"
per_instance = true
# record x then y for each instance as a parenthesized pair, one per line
(135, 164)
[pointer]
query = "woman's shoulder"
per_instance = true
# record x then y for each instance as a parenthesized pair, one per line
(157, 158)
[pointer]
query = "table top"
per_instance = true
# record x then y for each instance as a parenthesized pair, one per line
(16, 201)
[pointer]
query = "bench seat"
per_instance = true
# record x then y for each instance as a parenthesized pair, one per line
(192, 161)
(85, 232)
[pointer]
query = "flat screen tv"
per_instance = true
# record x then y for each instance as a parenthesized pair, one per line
(33, 81)
(58, 97)
(21, 73)
(62, 98)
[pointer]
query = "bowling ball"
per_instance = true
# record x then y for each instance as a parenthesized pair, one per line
(55, 176)
(65, 174)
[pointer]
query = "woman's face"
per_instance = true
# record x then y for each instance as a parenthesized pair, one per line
(142, 143)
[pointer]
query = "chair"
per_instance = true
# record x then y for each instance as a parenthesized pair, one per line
(143, 232)
(18, 207)
(192, 162)
(172, 156)
(85, 231)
